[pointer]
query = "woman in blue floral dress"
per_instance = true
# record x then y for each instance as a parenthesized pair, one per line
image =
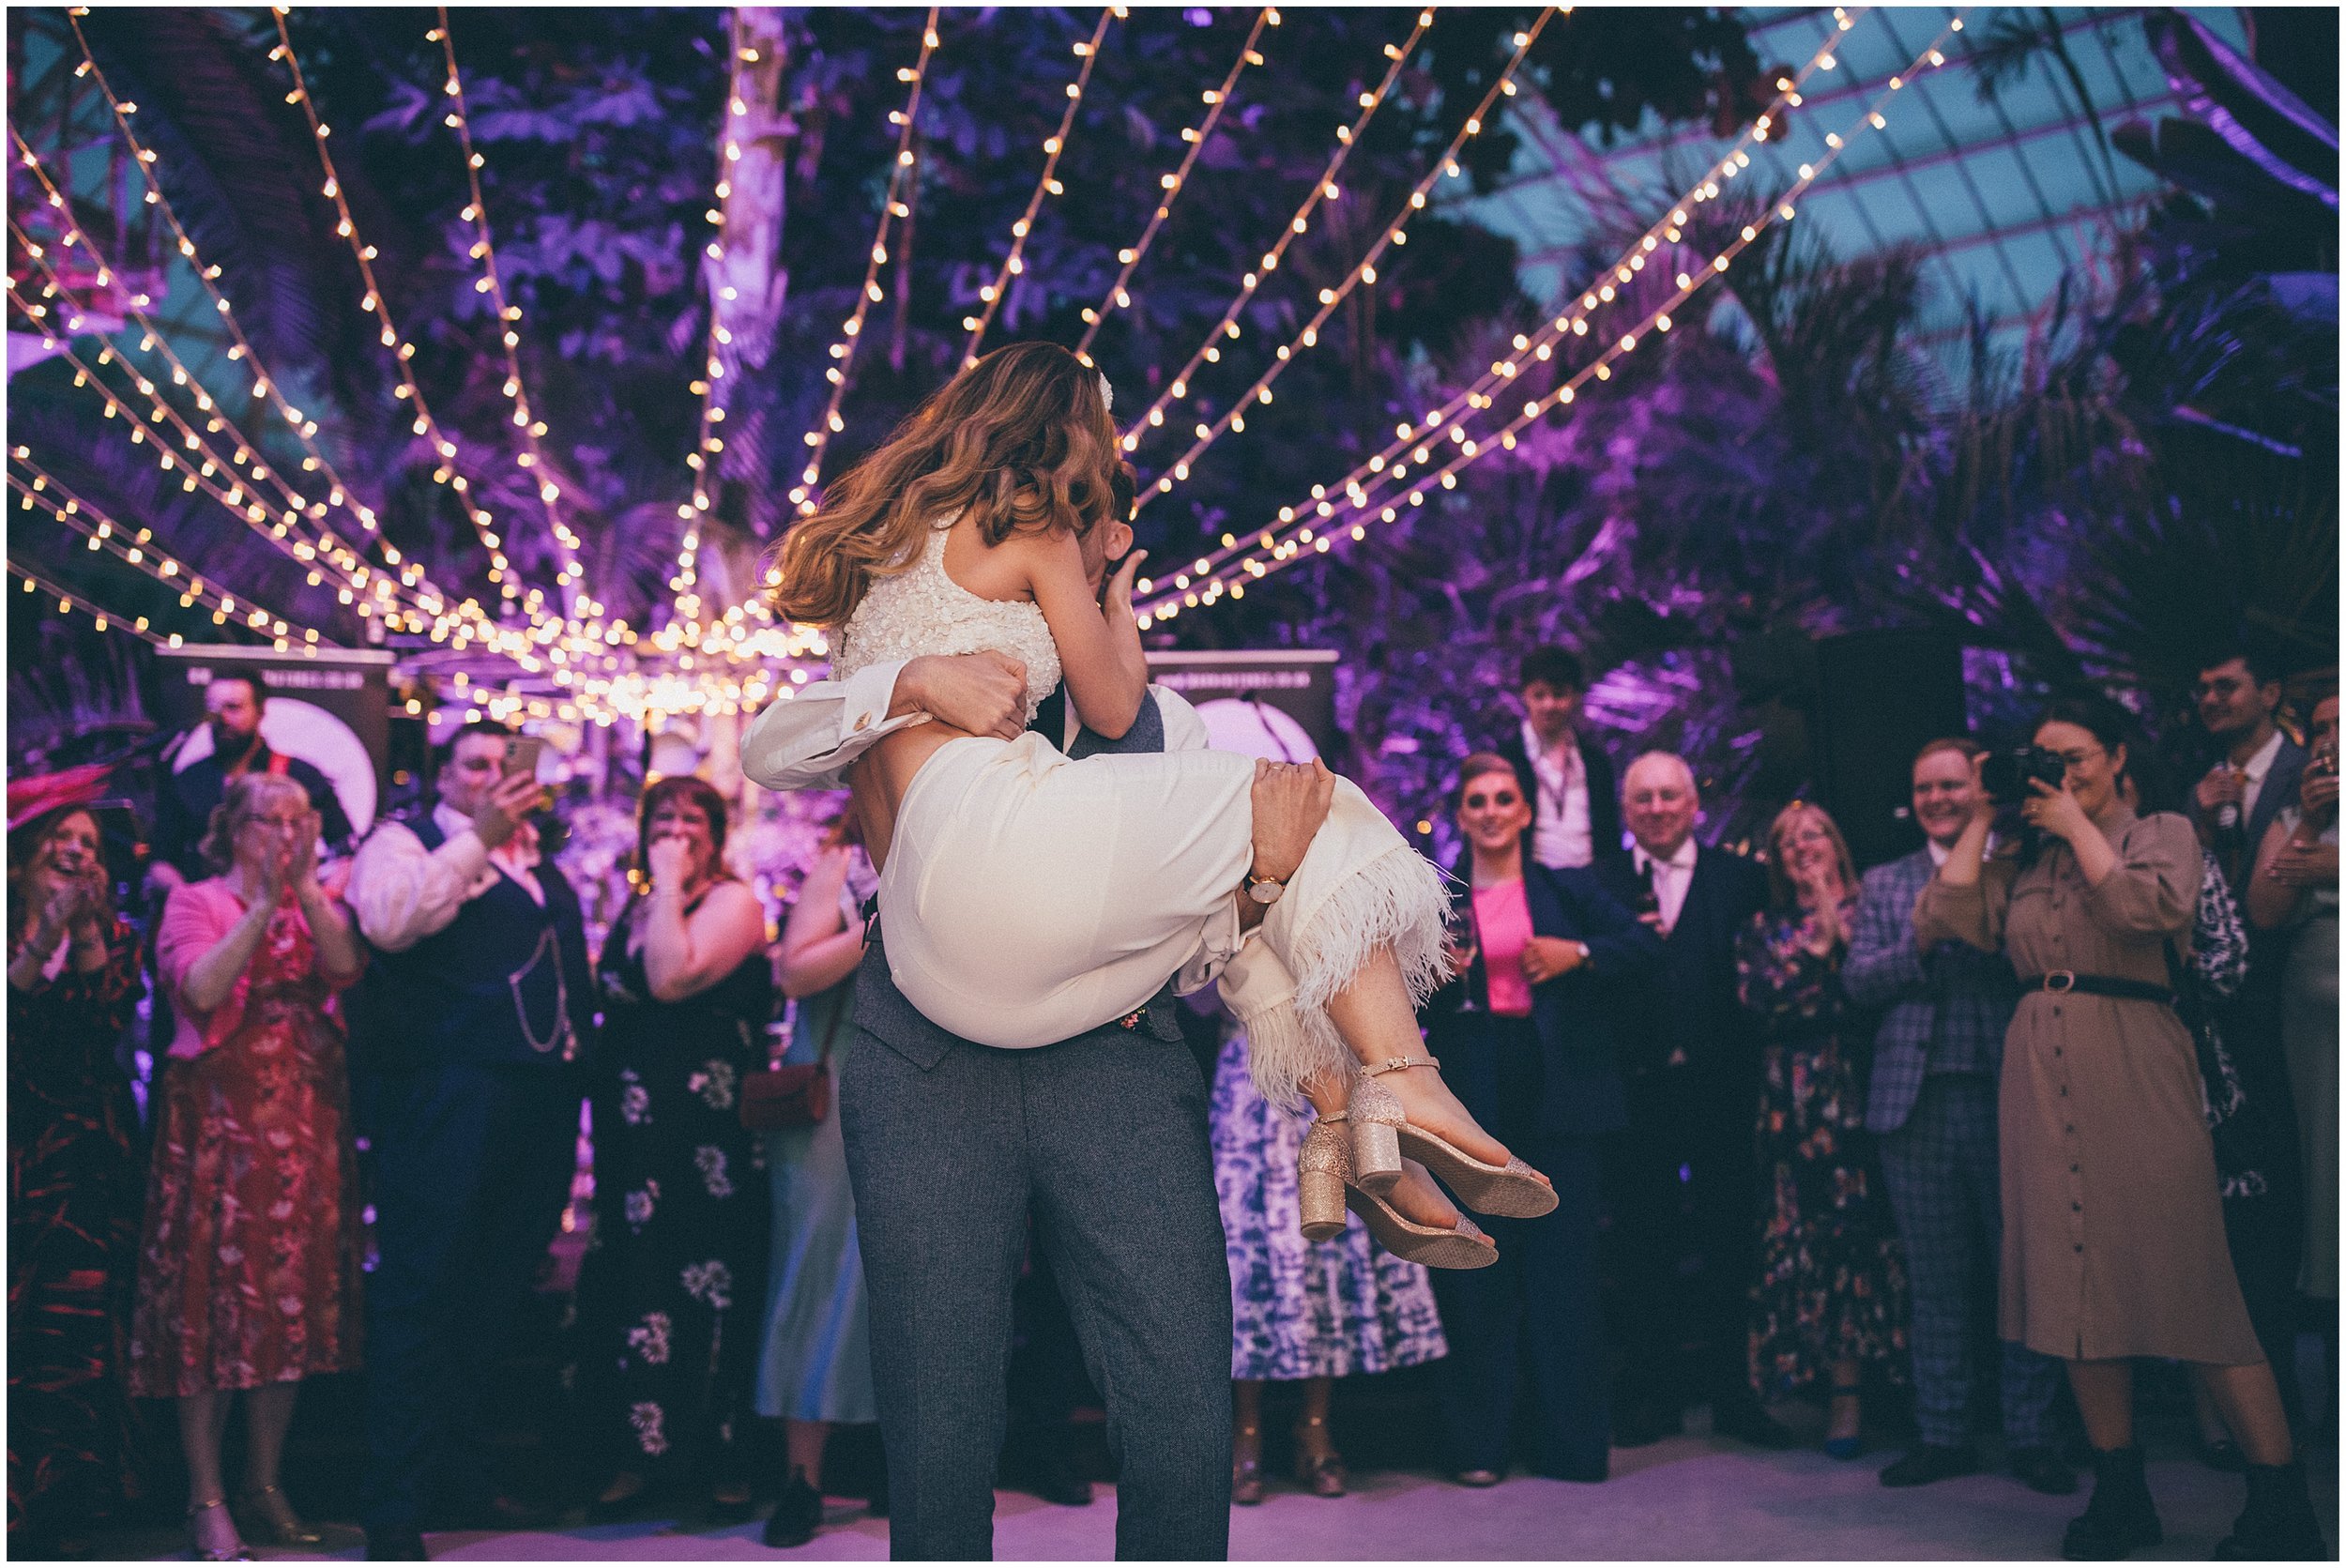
(1831, 1294)
(1306, 1312)
(676, 1278)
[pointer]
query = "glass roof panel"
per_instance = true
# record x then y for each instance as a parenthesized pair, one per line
(2007, 190)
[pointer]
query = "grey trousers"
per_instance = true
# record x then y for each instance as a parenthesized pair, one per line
(1941, 1172)
(1104, 1139)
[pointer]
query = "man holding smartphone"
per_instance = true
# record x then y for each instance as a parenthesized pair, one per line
(467, 1036)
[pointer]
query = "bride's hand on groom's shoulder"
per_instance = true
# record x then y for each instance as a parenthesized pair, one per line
(982, 694)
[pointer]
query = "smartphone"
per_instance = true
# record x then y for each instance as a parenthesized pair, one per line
(521, 756)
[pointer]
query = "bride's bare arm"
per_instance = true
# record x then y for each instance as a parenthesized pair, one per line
(1099, 647)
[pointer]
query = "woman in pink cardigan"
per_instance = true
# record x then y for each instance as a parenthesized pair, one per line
(248, 1274)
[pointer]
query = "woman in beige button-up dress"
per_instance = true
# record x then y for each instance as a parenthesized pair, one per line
(2114, 1227)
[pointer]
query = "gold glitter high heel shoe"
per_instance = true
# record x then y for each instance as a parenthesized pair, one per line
(1325, 1191)
(267, 1507)
(1513, 1190)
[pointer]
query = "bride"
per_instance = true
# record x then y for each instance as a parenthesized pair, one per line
(1028, 897)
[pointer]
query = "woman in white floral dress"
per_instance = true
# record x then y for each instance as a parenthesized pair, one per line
(674, 1278)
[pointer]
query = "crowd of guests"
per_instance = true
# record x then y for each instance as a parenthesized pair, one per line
(2081, 1044)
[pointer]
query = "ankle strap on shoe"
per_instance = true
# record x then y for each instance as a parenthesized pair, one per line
(1396, 1064)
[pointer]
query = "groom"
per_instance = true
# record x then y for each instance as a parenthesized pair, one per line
(1101, 1138)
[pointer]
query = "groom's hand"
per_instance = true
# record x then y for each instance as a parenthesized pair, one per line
(983, 694)
(1290, 802)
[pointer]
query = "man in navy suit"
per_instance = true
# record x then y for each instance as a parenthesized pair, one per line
(1682, 1175)
(1932, 1106)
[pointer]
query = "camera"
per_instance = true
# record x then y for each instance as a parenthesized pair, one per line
(2006, 774)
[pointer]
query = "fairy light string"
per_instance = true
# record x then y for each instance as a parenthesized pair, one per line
(410, 586)
(198, 475)
(902, 171)
(136, 549)
(1540, 347)
(571, 576)
(34, 581)
(1310, 540)
(1364, 271)
(266, 386)
(991, 295)
(404, 352)
(1217, 99)
(1324, 188)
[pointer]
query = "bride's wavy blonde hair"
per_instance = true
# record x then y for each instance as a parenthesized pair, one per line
(1020, 442)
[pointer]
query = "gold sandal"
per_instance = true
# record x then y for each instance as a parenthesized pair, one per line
(198, 1552)
(1321, 1474)
(1325, 1191)
(281, 1524)
(1513, 1190)
(1246, 1466)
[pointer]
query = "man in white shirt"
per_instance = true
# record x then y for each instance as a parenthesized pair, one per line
(2239, 696)
(466, 1035)
(1566, 777)
(1680, 1177)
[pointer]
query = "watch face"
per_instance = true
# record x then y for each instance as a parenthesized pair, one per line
(1265, 891)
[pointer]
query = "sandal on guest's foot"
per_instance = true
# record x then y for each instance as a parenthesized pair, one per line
(267, 1507)
(1326, 1189)
(1382, 1133)
(1323, 1476)
(234, 1551)
(1246, 1466)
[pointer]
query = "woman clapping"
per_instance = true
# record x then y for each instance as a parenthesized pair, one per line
(248, 1276)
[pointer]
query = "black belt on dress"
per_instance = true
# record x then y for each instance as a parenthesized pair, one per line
(2058, 980)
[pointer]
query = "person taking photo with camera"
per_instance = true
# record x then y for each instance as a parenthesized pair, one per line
(2114, 1231)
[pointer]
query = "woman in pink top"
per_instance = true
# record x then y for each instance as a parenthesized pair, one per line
(249, 1272)
(1525, 1036)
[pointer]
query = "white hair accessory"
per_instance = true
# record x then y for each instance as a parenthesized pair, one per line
(1107, 394)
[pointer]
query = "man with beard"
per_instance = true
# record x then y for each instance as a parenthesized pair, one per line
(232, 706)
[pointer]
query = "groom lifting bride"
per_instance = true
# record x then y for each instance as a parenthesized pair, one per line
(1042, 891)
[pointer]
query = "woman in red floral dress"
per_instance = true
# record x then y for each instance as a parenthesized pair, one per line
(248, 1274)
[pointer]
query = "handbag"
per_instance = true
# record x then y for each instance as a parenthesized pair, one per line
(777, 1097)
(2244, 1127)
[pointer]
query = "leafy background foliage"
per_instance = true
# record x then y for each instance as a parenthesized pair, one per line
(2157, 468)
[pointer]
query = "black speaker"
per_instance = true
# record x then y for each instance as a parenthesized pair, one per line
(1880, 696)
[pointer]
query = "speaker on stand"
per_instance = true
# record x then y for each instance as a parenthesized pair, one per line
(1880, 696)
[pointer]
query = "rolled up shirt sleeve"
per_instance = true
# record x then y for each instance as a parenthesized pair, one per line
(808, 740)
(1184, 731)
(401, 892)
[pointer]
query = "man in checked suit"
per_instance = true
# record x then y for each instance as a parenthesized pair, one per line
(1932, 1107)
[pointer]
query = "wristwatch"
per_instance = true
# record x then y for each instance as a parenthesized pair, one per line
(1265, 890)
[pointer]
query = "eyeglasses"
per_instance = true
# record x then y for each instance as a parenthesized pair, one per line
(282, 824)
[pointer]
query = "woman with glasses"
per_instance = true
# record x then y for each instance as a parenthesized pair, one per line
(1831, 1296)
(2114, 1227)
(249, 1272)
(1543, 957)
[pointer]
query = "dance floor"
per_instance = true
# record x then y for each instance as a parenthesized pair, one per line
(1684, 1498)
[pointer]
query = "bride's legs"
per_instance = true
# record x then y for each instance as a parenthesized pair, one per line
(1417, 1195)
(1374, 1014)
